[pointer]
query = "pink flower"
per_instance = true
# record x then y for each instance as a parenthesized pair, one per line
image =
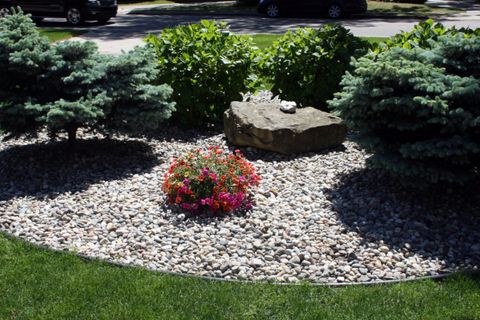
(213, 176)
(222, 182)
(206, 202)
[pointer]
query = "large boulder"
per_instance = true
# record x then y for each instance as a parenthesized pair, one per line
(264, 126)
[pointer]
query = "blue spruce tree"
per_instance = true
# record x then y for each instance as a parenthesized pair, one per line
(69, 85)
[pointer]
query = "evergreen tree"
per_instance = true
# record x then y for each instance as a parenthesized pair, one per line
(70, 85)
(417, 109)
(24, 57)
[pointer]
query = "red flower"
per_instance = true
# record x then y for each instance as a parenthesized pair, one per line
(204, 190)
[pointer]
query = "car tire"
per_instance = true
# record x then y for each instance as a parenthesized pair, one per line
(74, 16)
(4, 12)
(103, 20)
(335, 11)
(273, 10)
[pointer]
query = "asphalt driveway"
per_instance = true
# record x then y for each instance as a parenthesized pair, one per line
(127, 31)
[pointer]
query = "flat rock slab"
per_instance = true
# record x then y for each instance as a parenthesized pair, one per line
(264, 126)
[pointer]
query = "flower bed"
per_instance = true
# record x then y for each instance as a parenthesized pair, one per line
(317, 217)
(212, 180)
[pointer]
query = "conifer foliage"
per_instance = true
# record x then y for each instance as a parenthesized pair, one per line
(70, 85)
(418, 110)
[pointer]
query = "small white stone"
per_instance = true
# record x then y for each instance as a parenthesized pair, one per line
(384, 249)
(288, 106)
(256, 262)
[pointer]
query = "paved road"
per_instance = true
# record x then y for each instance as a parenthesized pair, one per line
(127, 31)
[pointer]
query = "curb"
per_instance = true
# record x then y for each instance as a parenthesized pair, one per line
(436, 277)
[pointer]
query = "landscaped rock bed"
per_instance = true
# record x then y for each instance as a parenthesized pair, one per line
(318, 217)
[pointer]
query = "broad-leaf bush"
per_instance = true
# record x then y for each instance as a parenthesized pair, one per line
(306, 66)
(418, 110)
(423, 35)
(70, 85)
(207, 67)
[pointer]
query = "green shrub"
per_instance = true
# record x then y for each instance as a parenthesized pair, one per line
(207, 68)
(423, 35)
(69, 85)
(418, 110)
(306, 66)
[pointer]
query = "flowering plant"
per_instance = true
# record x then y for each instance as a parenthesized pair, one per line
(210, 180)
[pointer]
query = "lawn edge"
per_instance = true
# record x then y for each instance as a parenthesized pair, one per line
(437, 277)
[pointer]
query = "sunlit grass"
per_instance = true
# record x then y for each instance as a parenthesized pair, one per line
(263, 41)
(406, 9)
(54, 34)
(41, 284)
(143, 2)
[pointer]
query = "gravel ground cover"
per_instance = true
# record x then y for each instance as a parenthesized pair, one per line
(318, 217)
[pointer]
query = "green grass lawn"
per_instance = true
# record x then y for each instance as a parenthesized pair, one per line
(375, 8)
(143, 2)
(54, 34)
(375, 39)
(265, 40)
(41, 284)
(407, 9)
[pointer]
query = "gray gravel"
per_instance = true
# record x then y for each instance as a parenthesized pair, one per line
(318, 217)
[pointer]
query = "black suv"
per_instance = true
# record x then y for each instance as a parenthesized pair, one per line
(334, 8)
(75, 11)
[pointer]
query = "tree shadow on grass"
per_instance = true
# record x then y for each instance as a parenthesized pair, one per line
(438, 222)
(48, 170)
(404, 11)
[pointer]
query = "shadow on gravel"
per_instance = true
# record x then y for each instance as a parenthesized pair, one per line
(435, 223)
(47, 170)
(254, 154)
(206, 218)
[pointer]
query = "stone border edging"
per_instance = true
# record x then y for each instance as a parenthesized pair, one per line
(208, 278)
